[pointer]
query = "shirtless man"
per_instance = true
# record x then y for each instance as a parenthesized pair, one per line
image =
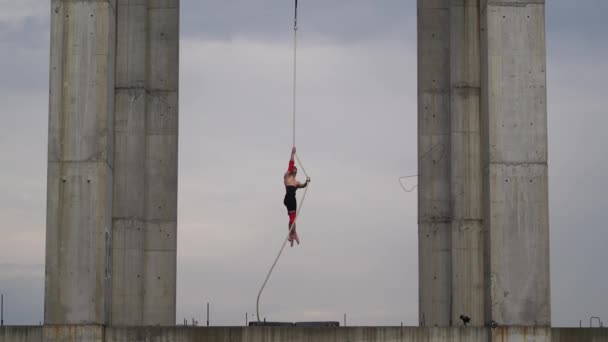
(291, 185)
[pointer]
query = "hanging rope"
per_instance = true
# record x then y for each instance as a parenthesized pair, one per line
(257, 305)
(295, 45)
(295, 60)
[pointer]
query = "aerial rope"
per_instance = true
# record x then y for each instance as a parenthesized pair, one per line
(295, 47)
(295, 60)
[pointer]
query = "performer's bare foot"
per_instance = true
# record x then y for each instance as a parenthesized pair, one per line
(296, 237)
(293, 236)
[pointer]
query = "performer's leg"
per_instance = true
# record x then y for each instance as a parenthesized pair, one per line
(292, 233)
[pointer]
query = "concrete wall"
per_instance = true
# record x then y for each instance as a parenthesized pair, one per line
(465, 163)
(161, 134)
(80, 156)
(514, 111)
(434, 211)
(20, 334)
(145, 187)
(129, 163)
(73, 333)
(577, 334)
(295, 334)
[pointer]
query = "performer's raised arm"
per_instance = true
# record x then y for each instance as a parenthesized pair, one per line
(292, 161)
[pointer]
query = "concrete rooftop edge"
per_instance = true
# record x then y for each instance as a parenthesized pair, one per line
(297, 334)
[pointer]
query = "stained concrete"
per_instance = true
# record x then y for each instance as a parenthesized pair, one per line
(145, 187)
(465, 164)
(20, 333)
(298, 334)
(80, 162)
(482, 159)
(577, 334)
(434, 210)
(73, 333)
(128, 229)
(161, 134)
(516, 210)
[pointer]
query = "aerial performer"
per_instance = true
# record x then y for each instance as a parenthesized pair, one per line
(291, 185)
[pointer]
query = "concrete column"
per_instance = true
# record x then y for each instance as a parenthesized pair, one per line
(514, 121)
(80, 154)
(161, 134)
(129, 162)
(434, 211)
(466, 179)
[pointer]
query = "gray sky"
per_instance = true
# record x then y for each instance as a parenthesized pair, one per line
(356, 135)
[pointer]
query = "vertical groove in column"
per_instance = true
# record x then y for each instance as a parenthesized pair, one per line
(466, 182)
(434, 210)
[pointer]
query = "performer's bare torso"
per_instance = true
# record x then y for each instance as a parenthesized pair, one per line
(290, 180)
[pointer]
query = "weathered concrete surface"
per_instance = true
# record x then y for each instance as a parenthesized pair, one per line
(128, 229)
(434, 211)
(80, 155)
(112, 174)
(577, 334)
(295, 334)
(145, 186)
(20, 334)
(161, 134)
(74, 333)
(514, 115)
(465, 155)
(517, 334)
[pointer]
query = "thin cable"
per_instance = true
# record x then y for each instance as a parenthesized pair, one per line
(301, 166)
(403, 186)
(421, 157)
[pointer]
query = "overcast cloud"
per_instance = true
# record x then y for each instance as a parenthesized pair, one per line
(356, 135)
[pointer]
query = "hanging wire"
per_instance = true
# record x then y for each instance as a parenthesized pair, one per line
(436, 147)
(406, 189)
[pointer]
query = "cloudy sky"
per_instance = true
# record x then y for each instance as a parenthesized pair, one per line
(356, 136)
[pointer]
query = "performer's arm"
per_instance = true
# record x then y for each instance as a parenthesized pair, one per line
(300, 185)
(291, 161)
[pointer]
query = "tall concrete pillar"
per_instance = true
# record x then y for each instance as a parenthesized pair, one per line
(465, 166)
(434, 210)
(514, 116)
(112, 170)
(80, 169)
(129, 163)
(483, 192)
(161, 134)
